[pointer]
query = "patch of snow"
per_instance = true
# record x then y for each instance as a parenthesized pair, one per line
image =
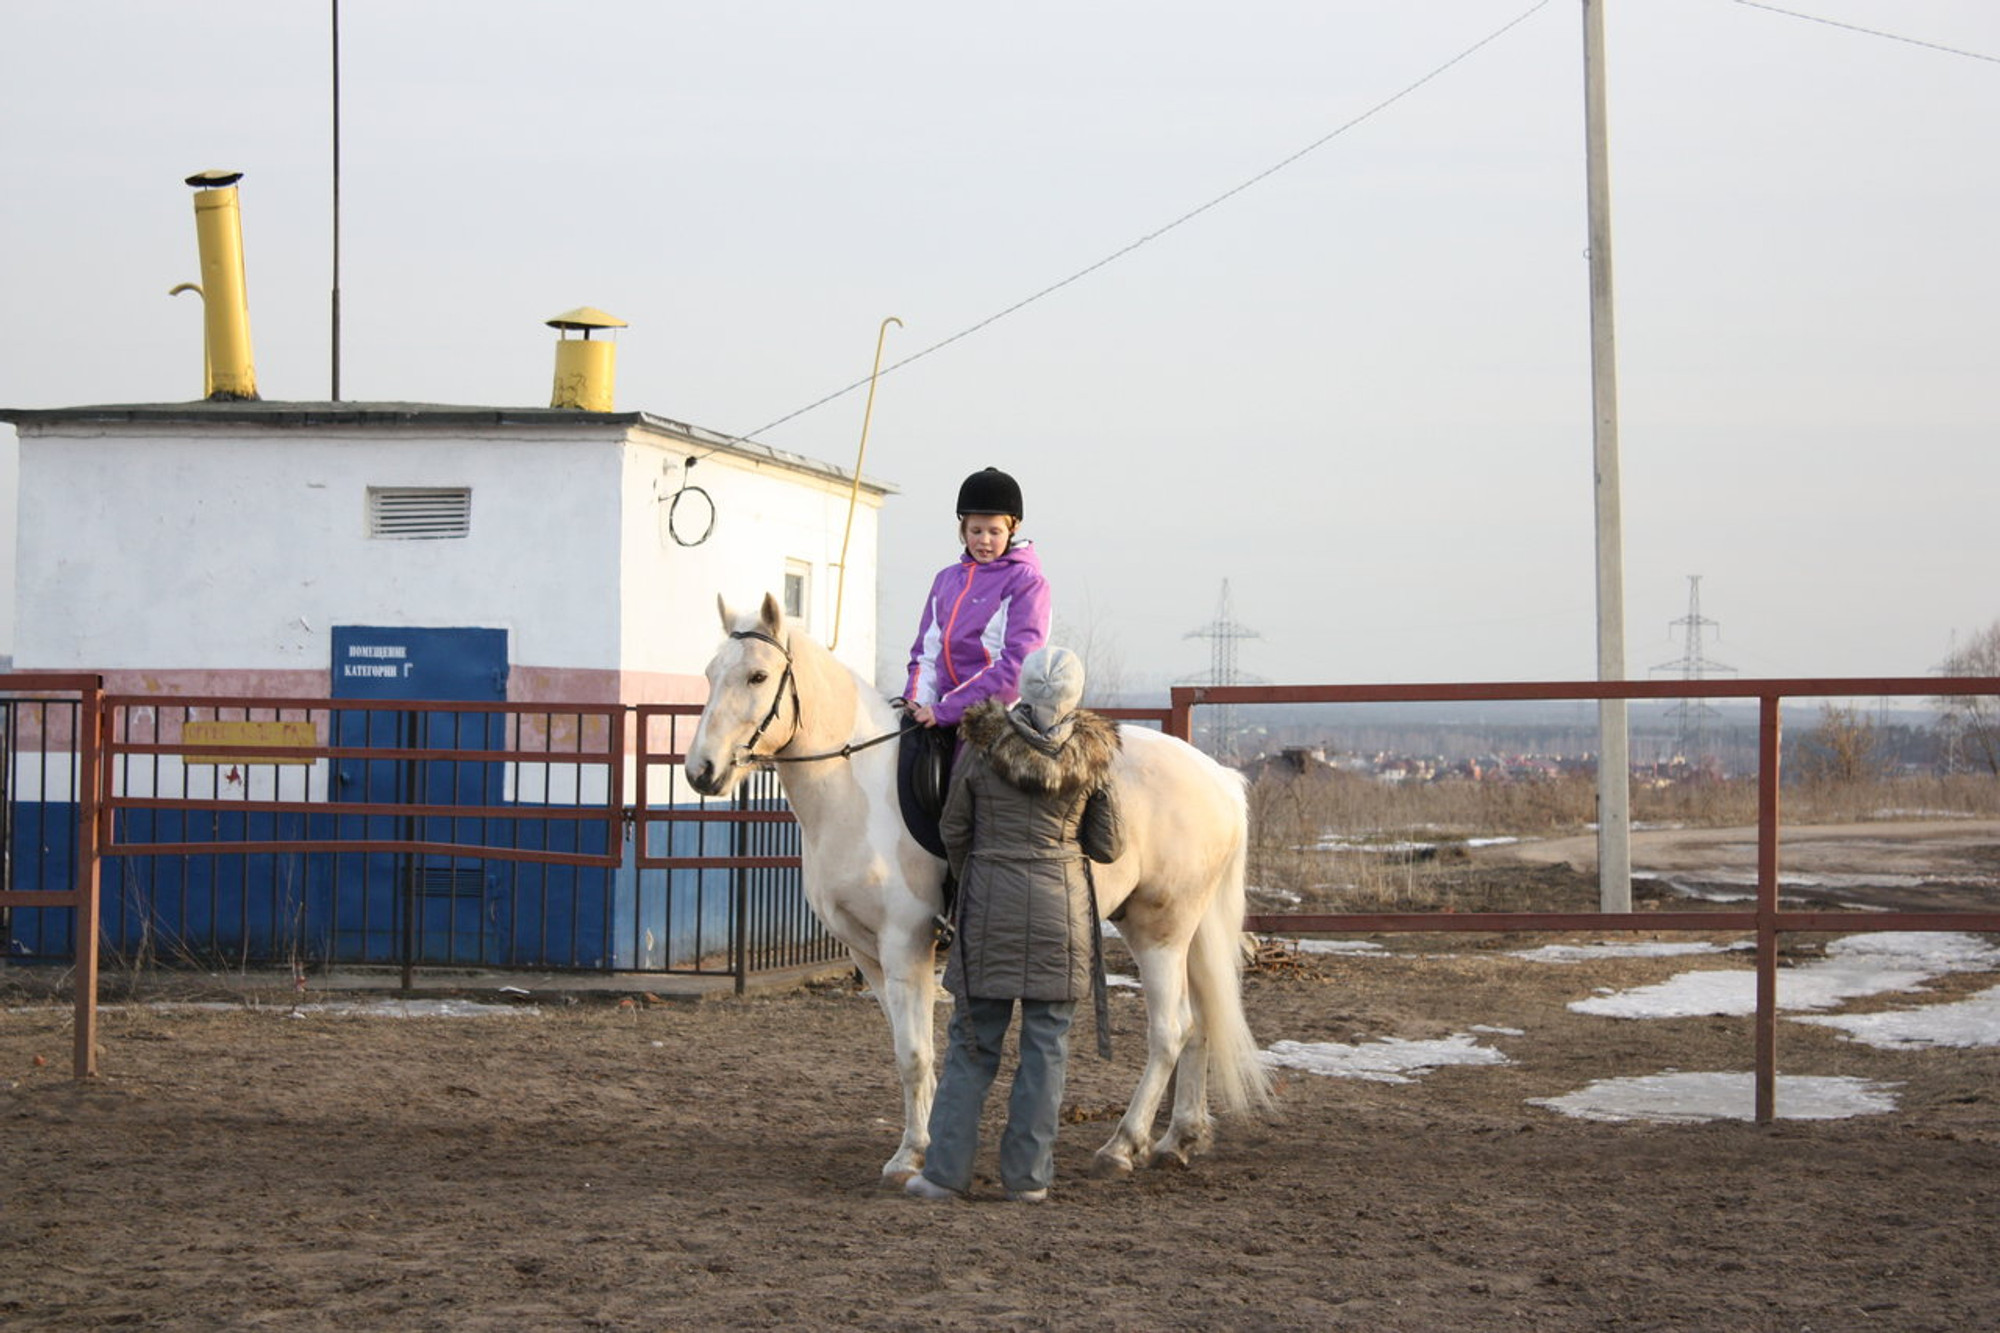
(1700, 891)
(1276, 895)
(1337, 844)
(1389, 1060)
(1740, 886)
(1677, 1098)
(1924, 814)
(1856, 965)
(1974, 1021)
(1579, 953)
(1350, 948)
(1491, 842)
(1946, 950)
(1497, 1031)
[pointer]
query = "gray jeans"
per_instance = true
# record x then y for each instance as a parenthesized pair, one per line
(971, 1061)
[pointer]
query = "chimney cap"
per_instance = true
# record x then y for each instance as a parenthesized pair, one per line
(214, 176)
(586, 317)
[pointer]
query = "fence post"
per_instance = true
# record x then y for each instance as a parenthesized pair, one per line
(1769, 768)
(92, 787)
(739, 895)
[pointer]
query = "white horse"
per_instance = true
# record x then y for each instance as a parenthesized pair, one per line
(777, 696)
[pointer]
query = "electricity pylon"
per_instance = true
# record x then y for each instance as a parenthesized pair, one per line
(1223, 634)
(1693, 718)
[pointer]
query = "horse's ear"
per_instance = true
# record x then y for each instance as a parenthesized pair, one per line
(772, 616)
(722, 609)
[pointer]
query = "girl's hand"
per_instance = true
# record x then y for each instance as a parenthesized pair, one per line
(924, 716)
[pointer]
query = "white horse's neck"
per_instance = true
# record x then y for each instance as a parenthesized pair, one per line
(836, 708)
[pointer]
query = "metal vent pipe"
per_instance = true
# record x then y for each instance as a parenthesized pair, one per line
(218, 229)
(586, 369)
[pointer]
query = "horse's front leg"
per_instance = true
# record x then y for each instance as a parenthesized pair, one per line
(905, 985)
(1163, 976)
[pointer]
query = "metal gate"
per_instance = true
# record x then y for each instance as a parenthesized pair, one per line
(308, 833)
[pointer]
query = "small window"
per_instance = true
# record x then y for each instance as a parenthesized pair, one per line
(419, 513)
(798, 592)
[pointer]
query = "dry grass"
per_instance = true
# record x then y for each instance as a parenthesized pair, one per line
(1327, 836)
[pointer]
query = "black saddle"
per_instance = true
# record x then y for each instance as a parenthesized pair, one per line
(923, 776)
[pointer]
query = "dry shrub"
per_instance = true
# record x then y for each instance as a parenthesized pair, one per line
(1702, 804)
(1273, 957)
(1337, 838)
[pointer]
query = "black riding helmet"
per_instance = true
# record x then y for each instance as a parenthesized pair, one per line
(990, 491)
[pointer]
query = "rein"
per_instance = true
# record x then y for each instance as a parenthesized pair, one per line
(749, 748)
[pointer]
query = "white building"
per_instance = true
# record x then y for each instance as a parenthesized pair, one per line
(212, 548)
(568, 555)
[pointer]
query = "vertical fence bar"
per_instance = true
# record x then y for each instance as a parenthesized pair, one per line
(89, 871)
(741, 837)
(1769, 766)
(406, 862)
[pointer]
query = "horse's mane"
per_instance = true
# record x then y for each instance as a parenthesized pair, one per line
(870, 704)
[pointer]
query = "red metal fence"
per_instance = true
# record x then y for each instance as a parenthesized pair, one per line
(396, 802)
(595, 739)
(71, 708)
(1766, 920)
(582, 746)
(764, 851)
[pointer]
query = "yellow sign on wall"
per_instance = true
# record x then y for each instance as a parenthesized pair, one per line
(299, 735)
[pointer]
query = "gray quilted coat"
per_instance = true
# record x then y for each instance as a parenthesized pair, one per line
(1025, 809)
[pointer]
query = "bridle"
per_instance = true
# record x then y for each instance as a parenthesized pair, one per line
(747, 751)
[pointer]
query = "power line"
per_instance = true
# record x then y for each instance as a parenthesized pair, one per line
(1872, 32)
(1157, 232)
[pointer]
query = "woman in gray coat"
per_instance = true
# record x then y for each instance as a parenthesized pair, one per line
(1030, 798)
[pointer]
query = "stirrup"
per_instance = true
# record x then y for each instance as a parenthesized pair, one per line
(942, 931)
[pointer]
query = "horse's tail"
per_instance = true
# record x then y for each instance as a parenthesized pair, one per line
(1238, 1080)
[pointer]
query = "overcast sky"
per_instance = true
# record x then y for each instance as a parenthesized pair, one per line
(1358, 390)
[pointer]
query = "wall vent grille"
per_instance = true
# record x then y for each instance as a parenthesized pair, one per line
(451, 882)
(419, 513)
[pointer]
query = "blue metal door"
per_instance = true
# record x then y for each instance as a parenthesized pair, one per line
(431, 908)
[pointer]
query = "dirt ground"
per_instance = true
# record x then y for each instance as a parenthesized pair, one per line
(688, 1166)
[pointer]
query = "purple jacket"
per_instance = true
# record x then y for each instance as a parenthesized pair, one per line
(979, 622)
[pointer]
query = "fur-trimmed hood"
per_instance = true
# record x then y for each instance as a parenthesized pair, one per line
(1079, 760)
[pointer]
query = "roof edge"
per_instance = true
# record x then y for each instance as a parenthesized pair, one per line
(312, 415)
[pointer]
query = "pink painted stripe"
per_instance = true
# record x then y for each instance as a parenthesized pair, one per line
(525, 684)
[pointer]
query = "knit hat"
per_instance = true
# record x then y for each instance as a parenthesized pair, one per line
(1051, 685)
(990, 491)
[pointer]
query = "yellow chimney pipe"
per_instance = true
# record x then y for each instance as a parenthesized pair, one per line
(218, 229)
(585, 370)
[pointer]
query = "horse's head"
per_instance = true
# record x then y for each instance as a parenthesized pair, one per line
(753, 701)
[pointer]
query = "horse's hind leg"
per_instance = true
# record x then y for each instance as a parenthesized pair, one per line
(1192, 1129)
(1163, 975)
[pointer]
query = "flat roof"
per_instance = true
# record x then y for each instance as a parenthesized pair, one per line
(309, 415)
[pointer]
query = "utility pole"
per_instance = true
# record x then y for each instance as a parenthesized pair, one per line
(1614, 764)
(333, 394)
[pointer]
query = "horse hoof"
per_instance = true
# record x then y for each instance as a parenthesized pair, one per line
(893, 1179)
(1109, 1166)
(1167, 1158)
